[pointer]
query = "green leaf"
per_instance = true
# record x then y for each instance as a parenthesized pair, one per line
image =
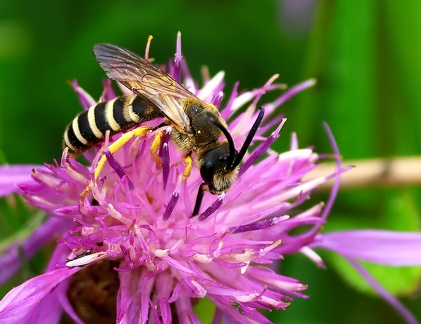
(205, 310)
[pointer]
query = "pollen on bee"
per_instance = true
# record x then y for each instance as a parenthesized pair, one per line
(189, 165)
(155, 147)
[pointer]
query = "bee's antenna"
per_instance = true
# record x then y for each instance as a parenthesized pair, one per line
(229, 139)
(234, 159)
(249, 138)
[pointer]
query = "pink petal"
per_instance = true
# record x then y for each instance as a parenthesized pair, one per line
(383, 247)
(13, 175)
(20, 301)
(10, 261)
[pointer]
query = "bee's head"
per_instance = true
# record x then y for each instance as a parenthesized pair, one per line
(219, 166)
(217, 169)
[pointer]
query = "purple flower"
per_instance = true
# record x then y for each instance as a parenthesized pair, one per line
(130, 249)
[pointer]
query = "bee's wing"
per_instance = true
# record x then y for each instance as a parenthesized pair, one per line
(146, 80)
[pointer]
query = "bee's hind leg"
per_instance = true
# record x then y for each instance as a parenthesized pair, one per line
(114, 147)
(119, 143)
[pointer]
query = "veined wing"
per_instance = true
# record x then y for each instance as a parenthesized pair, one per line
(146, 80)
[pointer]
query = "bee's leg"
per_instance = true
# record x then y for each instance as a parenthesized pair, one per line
(156, 144)
(187, 160)
(203, 187)
(114, 147)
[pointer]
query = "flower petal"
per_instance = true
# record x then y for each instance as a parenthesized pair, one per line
(383, 247)
(20, 301)
(13, 175)
(10, 261)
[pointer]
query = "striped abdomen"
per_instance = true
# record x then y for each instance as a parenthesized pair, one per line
(89, 127)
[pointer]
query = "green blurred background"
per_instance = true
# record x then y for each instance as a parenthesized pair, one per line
(365, 54)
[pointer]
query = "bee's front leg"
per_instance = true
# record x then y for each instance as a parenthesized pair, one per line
(189, 165)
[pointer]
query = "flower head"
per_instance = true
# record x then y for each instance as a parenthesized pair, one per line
(129, 222)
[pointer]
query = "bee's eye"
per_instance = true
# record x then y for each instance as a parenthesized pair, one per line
(214, 161)
(207, 171)
(195, 109)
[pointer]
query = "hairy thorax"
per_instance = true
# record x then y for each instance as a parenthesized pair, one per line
(206, 134)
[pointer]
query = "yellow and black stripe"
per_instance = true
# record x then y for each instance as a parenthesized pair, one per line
(89, 127)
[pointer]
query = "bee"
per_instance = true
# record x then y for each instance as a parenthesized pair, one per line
(196, 125)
